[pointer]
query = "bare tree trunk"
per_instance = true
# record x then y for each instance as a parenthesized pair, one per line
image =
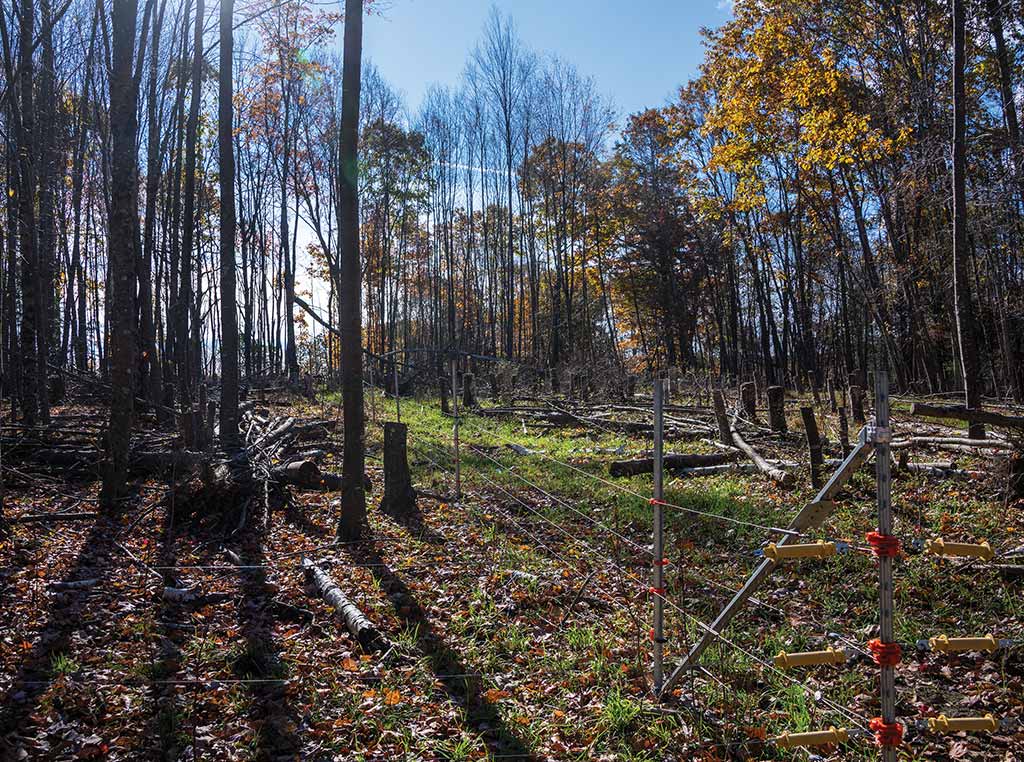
(187, 365)
(228, 308)
(995, 23)
(352, 521)
(27, 222)
(121, 234)
(47, 241)
(151, 381)
(967, 334)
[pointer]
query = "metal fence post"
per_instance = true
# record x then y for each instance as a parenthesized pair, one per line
(455, 431)
(658, 567)
(882, 438)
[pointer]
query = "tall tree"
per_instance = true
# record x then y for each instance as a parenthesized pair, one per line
(353, 494)
(228, 308)
(46, 321)
(121, 242)
(967, 335)
(30, 291)
(149, 367)
(188, 364)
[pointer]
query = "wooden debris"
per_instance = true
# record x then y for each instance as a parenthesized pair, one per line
(721, 418)
(777, 409)
(399, 498)
(362, 629)
(672, 461)
(813, 444)
(777, 474)
(963, 413)
(748, 399)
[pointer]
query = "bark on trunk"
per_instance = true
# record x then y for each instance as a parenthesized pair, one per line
(777, 408)
(399, 495)
(721, 418)
(963, 303)
(813, 444)
(362, 629)
(671, 461)
(763, 465)
(353, 496)
(748, 395)
(962, 413)
(228, 306)
(121, 235)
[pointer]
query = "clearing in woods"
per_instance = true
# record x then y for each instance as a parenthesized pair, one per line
(516, 618)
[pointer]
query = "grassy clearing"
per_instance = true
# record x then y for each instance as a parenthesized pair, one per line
(564, 480)
(518, 615)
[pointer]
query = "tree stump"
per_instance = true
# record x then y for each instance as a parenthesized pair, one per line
(777, 408)
(813, 444)
(832, 404)
(445, 405)
(748, 396)
(724, 431)
(468, 396)
(857, 403)
(399, 495)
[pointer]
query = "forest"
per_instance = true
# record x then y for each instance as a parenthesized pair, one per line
(505, 424)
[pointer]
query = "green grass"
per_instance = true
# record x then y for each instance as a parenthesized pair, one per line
(62, 664)
(838, 595)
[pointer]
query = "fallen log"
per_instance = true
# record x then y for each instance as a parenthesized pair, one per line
(941, 470)
(306, 474)
(728, 468)
(777, 474)
(952, 443)
(671, 461)
(355, 621)
(963, 413)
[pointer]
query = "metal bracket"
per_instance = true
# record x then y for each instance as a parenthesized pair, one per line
(877, 434)
(811, 516)
(814, 514)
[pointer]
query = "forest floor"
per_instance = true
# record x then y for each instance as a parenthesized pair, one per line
(518, 615)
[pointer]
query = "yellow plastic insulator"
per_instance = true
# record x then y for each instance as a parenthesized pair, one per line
(809, 658)
(947, 645)
(819, 549)
(814, 738)
(944, 724)
(959, 549)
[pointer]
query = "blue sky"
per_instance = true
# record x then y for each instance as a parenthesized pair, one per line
(638, 52)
